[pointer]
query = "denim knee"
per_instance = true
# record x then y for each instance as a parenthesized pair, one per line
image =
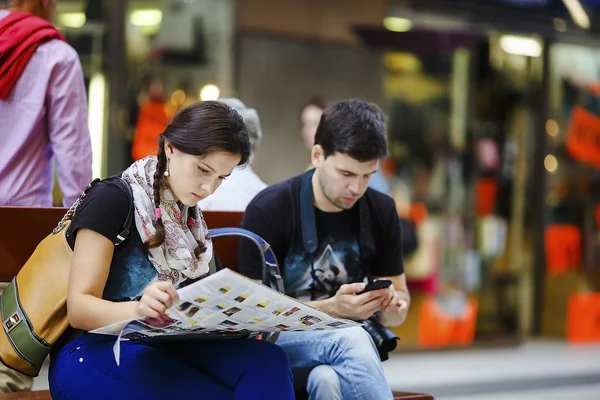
(356, 339)
(324, 383)
(323, 374)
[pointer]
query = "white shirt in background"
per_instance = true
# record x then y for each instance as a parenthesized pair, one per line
(235, 192)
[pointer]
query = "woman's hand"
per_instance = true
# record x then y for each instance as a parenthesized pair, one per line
(157, 298)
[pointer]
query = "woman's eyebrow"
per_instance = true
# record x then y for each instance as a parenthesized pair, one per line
(208, 166)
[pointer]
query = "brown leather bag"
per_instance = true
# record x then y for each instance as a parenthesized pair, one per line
(34, 304)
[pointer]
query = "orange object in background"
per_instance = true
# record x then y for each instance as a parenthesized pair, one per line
(388, 166)
(583, 136)
(486, 190)
(418, 212)
(563, 248)
(583, 318)
(438, 329)
(152, 121)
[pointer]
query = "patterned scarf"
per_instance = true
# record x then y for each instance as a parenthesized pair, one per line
(174, 260)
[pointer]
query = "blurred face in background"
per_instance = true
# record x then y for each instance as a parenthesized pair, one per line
(42, 8)
(48, 9)
(309, 119)
(156, 92)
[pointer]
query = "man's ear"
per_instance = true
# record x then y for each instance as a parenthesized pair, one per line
(317, 156)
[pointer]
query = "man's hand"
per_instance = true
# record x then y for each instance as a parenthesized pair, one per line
(394, 307)
(347, 303)
(392, 300)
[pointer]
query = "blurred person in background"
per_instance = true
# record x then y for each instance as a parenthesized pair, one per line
(310, 115)
(243, 184)
(43, 106)
(43, 119)
(152, 121)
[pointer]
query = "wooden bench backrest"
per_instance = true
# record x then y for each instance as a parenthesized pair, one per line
(225, 247)
(23, 228)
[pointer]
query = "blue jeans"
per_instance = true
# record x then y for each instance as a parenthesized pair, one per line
(350, 353)
(85, 368)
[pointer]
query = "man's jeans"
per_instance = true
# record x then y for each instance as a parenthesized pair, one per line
(350, 353)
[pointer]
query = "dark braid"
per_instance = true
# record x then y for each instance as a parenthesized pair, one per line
(161, 167)
(201, 247)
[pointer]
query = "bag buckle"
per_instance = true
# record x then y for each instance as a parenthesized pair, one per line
(12, 322)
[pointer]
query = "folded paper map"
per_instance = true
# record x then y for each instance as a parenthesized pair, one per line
(226, 303)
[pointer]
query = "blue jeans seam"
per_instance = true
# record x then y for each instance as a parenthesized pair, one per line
(63, 393)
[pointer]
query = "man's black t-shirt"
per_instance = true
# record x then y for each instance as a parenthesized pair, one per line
(274, 214)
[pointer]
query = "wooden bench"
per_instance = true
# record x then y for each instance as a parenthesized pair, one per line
(23, 228)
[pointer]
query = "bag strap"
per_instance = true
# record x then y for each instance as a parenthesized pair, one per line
(71, 212)
(310, 239)
(271, 273)
(69, 215)
(125, 228)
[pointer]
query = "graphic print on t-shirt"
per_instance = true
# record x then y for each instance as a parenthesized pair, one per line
(335, 263)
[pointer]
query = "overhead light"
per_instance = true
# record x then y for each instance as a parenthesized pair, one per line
(178, 98)
(71, 20)
(577, 13)
(96, 110)
(521, 46)
(397, 24)
(402, 62)
(551, 163)
(552, 127)
(209, 92)
(151, 17)
(560, 25)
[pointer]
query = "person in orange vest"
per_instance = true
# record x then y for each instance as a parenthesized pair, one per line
(152, 121)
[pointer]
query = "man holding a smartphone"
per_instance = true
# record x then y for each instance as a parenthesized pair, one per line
(332, 235)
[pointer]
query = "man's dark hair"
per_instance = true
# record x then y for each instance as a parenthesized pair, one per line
(355, 128)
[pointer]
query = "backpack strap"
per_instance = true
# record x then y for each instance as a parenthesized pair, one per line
(271, 273)
(310, 240)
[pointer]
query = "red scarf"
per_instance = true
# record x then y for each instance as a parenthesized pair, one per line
(20, 35)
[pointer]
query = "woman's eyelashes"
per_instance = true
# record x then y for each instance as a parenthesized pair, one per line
(207, 172)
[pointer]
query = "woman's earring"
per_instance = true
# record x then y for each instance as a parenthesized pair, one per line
(167, 169)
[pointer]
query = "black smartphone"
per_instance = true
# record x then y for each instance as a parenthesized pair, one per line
(380, 284)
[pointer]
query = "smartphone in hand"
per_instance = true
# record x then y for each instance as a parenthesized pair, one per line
(375, 285)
